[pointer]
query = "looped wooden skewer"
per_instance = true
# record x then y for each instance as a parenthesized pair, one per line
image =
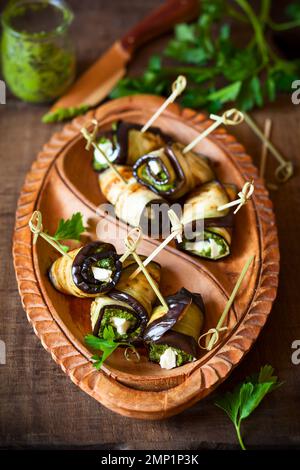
(244, 196)
(214, 332)
(285, 169)
(177, 88)
(131, 242)
(90, 139)
(130, 351)
(176, 232)
(230, 117)
(284, 172)
(36, 226)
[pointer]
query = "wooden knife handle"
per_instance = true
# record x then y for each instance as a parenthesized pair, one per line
(160, 21)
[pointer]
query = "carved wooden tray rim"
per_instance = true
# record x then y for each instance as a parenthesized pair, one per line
(220, 362)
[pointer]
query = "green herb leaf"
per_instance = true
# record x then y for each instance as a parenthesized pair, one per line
(293, 10)
(184, 32)
(208, 54)
(62, 114)
(70, 229)
(270, 86)
(246, 397)
(228, 93)
(107, 345)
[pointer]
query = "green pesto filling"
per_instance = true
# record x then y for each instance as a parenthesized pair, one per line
(162, 176)
(106, 263)
(157, 350)
(206, 251)
(120, 313)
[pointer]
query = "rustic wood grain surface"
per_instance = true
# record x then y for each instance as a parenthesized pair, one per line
(39, 406)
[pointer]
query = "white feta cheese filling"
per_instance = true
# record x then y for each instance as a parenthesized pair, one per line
(102, 274)
(154, 167)
(168, 359)
(205, 246)
(121, 324)
(215, 249)
(107, 148)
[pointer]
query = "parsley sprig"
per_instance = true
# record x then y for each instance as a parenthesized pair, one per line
(218, 68)
(107, 345)
(69, 229)
(246, 397)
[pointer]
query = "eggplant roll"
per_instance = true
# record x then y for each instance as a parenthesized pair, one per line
(108, 143)
(132, 201)
(171, 173)
(127, 308)
(134, 143)
(125, 143)
(172, 336)
(212, 238)
(88, 271)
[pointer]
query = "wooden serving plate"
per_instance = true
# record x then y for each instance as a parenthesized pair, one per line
(60, 182)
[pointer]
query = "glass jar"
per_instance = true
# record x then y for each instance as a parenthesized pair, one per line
(38, 59)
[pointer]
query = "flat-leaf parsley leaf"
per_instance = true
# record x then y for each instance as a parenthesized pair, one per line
(246, 397)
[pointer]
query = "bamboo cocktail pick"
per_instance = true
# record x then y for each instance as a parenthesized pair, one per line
(91, 141)
(231, 117)
(177, 88)
(131, 243)
(285, 169)
(244, 196)
(178, 227)
(264, 149)
(176, 232)
(212, 335)
(36, 226)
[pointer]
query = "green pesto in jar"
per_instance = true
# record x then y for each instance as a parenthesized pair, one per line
(38, 60)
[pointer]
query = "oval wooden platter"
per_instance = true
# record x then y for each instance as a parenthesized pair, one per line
(61, 181)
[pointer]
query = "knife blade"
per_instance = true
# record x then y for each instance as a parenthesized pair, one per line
(97, 82)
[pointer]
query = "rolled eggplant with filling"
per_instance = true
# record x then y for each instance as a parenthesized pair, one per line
(109, 145)
(172, 336)
(207, 231)
(127, 308)
(134, 143)
(87, 271)
(125, 143)
(133, 202)
(171, 173)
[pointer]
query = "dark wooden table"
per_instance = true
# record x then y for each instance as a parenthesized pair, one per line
(39, 405)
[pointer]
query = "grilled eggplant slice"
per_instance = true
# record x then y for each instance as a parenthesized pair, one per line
(171, 173)
(88, 271)
(134, 203)
(207, 231)
(134, 143)
(128, 307)
(108, 143)
(172, 336)
(125, 143)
